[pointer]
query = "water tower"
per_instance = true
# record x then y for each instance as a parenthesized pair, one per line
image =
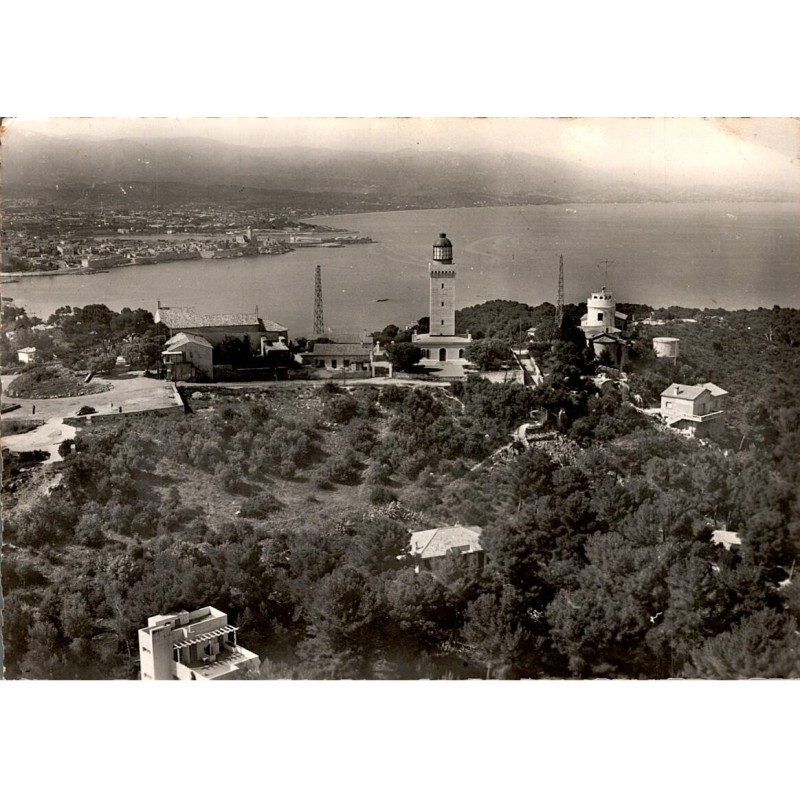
(666, 347)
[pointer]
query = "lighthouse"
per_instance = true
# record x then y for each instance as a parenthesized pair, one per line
(442, 343)
(442, 274)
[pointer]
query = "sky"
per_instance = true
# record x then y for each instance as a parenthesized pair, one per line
(760, 151)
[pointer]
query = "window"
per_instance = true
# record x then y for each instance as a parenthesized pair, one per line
(442, 303)
(333, 363)
(442, 286)
(346, 362)
(668, 403)
(599, 316)
(442, 322)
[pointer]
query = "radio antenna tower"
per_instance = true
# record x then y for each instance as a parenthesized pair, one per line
(319, 325)
(560, 301)
(605, 274)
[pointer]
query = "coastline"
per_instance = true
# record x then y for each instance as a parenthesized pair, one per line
(13, 277)
(55, 272)
(504, 253)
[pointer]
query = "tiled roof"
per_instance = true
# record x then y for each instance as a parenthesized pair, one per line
(683, 391)
(188, 318)
(726, 538)
(269, 325)
(604, 338)
(440, 541)
(186, 338)
(715, 390)
(350, 350)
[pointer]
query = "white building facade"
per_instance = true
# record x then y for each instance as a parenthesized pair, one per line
(193, 645)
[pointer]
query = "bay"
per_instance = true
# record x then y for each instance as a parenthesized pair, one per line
(731, 255)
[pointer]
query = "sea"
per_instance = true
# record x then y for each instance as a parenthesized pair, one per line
(704, 255)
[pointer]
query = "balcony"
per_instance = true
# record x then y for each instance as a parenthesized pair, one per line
(672, 419)
(229, 660)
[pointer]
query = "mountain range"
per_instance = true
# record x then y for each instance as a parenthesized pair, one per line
(141, 172)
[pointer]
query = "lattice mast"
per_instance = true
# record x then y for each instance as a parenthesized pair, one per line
(319, 324)
(560, 301)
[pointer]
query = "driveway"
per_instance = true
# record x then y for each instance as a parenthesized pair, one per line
(131, 391)
(46, 437)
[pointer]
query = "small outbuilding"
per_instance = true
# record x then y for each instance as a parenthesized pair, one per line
(26, 355)
(346, 356)
(430, 548)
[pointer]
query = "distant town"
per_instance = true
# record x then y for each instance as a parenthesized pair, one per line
(36, 240)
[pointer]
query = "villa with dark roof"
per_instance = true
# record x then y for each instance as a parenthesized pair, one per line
(193, 345)
(214, 328)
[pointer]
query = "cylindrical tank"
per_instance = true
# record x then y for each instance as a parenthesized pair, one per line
(666, 346)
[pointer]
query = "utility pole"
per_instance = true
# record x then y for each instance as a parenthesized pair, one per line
(319, 325)
(560, 301)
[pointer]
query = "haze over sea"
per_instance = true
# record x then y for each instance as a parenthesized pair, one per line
(706, 255)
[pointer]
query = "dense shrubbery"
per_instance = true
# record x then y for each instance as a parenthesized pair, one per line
(52, 380)
(260, 506)
(86, 338)
(503, 319)
(404, 356)
(601, 566)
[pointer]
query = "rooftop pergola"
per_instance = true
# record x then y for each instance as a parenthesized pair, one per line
(205, 637)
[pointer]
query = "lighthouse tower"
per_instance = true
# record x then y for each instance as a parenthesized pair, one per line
(443, 288)
(442, 343)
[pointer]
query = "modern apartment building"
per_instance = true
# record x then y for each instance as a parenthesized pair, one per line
(193, 645)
